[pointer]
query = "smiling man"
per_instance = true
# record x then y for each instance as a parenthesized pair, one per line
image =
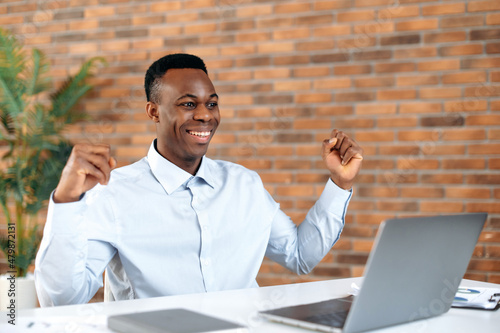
(177, 222)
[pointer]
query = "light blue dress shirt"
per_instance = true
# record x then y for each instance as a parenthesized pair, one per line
(161, 231)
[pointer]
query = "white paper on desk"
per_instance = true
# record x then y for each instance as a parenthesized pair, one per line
(57, 325)
(476, 298)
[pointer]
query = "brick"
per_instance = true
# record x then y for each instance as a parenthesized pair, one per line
(295, 33)
(332, 83)
(83, 48)
(417, 80)
(372, 55)
(451, 92)
(356, 43)
(463, 164)
(494, 134)
(253, 36)
(352, 69)
(315, 45)
(99, 11)
(448, 178)
(444, 37)
(449, 120)
(254, 11)
(165, 31)
(354, 96)
(234, 75)
(395, 67)
(481, 63)
(275, 47)
(420, 52)
(441, 207)
(481, 91)
(488, 207)
(420, 107)
(291, 60)
(439, 65)
(483, 120)
(200, 28)
(399, 149)
(400, 40)
(397, 122)
(443, 9)
(191, 4)
(354, 123)
(461, 21)
(332, 4)
(226, 39)
(374, 28)
(254, 61)
(333, 110)
(264, 23)
(312, 124)
(292, 164)
(469, 105)
(421, 24)
(375, 136)
(485, 34)
(274, 99)
(395, 12)
(495, 105)
(484, 149)
(456, 50)
(396, 94)
(493, 19)
(481, 6)
(418, 135)
(468, 193)
(237, 50)
(272, 73)
(375, 109)
(308, 150)
(422, 192)
(356, 16)
(484, 179)
(314, 19)
(493, 48)
(6, 20)
(311, 71)
(370, 82)
(334, 30)
(292, 8)
(127, 33)
(378, 192)
(313, 98)
(165, 6)
(464, 77)
(276, 177)
(330, 57)
(188, 17)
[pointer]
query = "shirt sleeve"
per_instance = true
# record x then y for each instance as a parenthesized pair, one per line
(301, 248)
(71, 260)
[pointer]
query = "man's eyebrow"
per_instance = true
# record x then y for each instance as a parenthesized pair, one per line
(194, 96)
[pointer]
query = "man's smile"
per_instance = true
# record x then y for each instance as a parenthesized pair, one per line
(200, 136)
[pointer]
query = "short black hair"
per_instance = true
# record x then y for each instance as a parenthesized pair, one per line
(152, 81)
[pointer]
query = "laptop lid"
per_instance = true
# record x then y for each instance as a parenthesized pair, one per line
(414, 269)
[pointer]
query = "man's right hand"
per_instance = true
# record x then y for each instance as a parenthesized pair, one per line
(87, 165)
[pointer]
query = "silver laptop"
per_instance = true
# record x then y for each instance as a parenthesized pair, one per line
(413, 272)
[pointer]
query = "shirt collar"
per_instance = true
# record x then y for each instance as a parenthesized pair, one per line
(170, 175)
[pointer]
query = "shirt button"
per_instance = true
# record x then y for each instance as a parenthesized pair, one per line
(206, 261)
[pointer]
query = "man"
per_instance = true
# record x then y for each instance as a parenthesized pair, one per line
(176, 221)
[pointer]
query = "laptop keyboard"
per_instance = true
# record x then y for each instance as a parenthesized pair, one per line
(335, 319)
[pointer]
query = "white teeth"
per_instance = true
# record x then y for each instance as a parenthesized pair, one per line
(201, 134)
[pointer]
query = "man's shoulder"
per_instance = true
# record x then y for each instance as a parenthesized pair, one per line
(130, 172)
(232, 171)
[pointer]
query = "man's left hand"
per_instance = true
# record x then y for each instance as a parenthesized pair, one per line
(343, 158)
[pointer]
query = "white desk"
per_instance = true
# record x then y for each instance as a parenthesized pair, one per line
(242, 306)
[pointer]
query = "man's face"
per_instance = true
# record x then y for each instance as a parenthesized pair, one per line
(188, 116)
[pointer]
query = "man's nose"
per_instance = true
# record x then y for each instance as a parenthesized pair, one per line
(202, 113)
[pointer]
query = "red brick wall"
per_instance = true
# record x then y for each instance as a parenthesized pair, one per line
(416, 83)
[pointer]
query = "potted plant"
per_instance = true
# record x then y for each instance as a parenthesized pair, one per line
(31, 142)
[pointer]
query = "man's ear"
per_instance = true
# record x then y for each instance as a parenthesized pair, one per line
(153, 112)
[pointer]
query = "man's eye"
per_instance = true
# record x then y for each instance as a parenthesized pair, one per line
(189, 104)
(212, 105)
